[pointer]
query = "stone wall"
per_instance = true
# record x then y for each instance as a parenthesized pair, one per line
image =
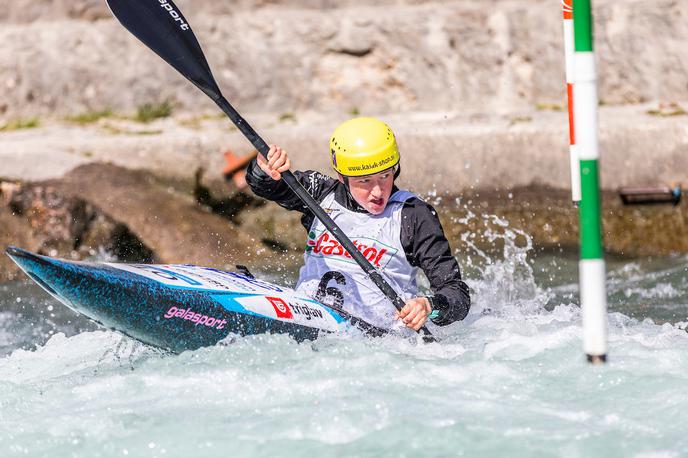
(65, 57)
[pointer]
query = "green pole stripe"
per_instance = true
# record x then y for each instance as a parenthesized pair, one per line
(590, 223)
(582, 25)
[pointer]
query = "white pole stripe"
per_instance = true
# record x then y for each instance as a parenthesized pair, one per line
(585, 106)
(594, 306)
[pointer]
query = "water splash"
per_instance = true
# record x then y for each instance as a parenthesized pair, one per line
(504, 283)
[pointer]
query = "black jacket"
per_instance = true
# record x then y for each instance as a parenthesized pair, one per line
(422, 236)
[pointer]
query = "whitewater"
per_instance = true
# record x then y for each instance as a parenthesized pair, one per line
(510, 380)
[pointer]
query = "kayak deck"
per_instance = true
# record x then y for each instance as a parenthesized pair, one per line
(181, 307)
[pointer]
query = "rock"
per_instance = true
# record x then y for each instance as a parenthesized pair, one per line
(15, 231)
(59, 222)
(231, 207)
(70, 226)
(548, 216)
(131, 216)
(174, 227)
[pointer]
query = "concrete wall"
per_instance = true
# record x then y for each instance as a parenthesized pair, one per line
(65, 57)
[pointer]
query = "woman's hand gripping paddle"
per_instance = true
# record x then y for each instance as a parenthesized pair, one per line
(160, 25)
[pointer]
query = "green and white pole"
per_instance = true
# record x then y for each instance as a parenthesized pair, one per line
(591, 267)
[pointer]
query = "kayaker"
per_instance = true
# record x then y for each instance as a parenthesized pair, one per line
(394, 229)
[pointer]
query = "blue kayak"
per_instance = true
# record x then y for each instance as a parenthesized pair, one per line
(182, 307)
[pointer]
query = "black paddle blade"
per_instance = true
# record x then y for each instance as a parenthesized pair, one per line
(160, 25)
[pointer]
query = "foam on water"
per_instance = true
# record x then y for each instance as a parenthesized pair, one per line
(510, 380)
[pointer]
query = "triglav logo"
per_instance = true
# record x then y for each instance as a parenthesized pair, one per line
(281, 308)
(177, 17)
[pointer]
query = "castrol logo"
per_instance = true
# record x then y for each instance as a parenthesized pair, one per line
(325, 245)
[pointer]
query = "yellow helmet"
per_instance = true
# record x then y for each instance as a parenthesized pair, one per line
(363, 146)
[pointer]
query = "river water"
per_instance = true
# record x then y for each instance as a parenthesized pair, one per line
(510, 380)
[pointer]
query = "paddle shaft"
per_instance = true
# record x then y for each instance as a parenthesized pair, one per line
(161, 26)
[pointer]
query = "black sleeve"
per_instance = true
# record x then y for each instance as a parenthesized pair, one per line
(317, 185)
(426, 247)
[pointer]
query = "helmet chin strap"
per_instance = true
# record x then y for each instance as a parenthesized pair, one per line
(345, 180)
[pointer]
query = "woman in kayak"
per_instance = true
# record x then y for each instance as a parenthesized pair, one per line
(393, 228)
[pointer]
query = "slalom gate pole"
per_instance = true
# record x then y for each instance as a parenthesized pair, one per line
(591, 266)
(569, 51)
